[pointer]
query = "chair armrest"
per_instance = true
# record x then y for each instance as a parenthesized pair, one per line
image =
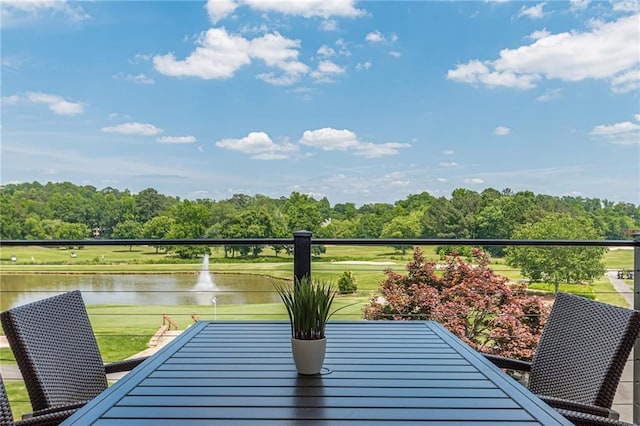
(126, 365)
(52, 419)
(509, 363)
(584, 419)
(50, 416)
(566, 404)
(52, 410)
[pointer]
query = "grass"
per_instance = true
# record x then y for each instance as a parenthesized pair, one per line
(18, 398)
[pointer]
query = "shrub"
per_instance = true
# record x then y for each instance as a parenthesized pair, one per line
(482, 308)
(347, 283)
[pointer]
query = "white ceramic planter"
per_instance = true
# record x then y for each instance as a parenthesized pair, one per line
(308, 355)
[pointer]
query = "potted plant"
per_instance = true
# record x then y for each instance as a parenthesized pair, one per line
(308, 303)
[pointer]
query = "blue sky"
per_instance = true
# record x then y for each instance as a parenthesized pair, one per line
(357, 101)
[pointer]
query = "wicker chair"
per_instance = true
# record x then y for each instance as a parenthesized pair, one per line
(6, 419)
(581, 354)
(584, 419)
(57, 352)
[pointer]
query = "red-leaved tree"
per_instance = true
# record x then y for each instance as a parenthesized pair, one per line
(484, 309)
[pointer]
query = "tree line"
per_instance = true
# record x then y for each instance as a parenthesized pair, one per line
(67, 211)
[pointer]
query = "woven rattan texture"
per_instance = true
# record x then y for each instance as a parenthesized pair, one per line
(583, 419)
(56, 350)
(6, 419)
(5, 411)
(583, 350)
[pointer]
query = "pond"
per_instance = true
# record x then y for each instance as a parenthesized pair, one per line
(141, 289)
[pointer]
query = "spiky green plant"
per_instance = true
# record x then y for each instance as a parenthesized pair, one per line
(308, 304)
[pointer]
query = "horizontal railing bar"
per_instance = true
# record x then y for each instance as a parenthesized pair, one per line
(322, 241)
(480, 242)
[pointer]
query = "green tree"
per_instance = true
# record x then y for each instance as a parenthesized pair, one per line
(128, 230)
(403, 227)
(73, 231)
(192, 219)
(443, 220)
(10, 228)
(344, 211)
(158, 228)
(416, 202)
(347, 283)
(149, 204)
(499, 219)
(558, 264)
(302, 212)
(33, 229)
(337, 228)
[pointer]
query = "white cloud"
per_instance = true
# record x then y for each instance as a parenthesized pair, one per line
(343, 48)
(374, 37)
(139, 78)
(308, 8)
(549, 95)
(259, 146)
(476, 72)
(533, 12)
(626, 6)
(373, 150)
(133, 128)
(11, 100)
(501, 131)
(449, 164)
(176, 139)
(325, 71)
(220, 54)
(537, 35)
(15, 8)
(140, 57)
(329, 25)
(624, 133)
(280, 52)
(474, 181)
(326, 51)
(363, 65)
(609, 51)
(377, 37)
(395, 54)
(329, 139)
(579, 4)
(626, 82)
(56, 104)
(220, 9)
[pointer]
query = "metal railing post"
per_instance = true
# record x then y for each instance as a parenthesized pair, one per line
(301, 254)
(636, 347)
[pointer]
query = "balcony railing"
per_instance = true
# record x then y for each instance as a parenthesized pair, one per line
(302, 263)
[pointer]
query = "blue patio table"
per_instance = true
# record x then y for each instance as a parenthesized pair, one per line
(376, 373)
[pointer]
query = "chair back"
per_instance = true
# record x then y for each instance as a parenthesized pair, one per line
(56, 350)
(6, 419)
(583, 350)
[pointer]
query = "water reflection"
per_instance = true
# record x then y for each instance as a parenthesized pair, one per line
(141, 289)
